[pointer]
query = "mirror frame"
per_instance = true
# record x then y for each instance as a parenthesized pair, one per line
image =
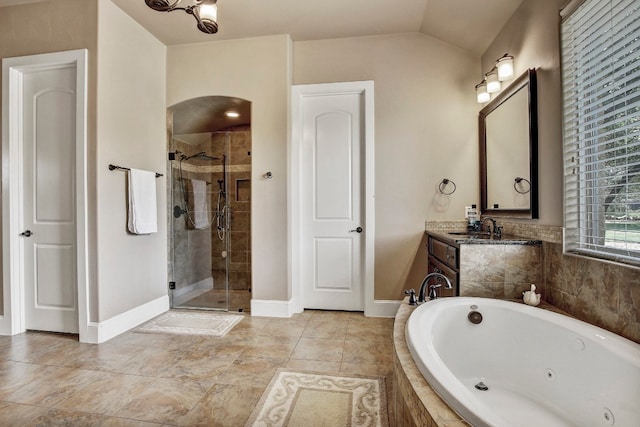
(527, 79)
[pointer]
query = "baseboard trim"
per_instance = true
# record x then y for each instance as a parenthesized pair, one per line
(272, 308)
(383, 308)
(99, 332)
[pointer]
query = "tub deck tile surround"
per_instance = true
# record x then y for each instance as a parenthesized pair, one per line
(416, 403)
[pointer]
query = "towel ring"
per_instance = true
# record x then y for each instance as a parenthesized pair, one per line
(517, 181)
(444, 184)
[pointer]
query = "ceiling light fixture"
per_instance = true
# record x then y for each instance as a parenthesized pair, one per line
(204, 11)
(232, 114)
(492, 82)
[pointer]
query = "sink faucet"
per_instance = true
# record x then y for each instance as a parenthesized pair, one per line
(494, 228)
(432, 289)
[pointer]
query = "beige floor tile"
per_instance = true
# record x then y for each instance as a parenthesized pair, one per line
(55, 417)
(367, 369)
(370, 330)
(250, 372)
(201, 364)
(104, 396)
(271, 347)
(313, 366)
(123, 422)
(326, 350)
(223, 405)
(325, 329)
(368, 352)
(150, 361)
(283, 328)
(142, 379)
(52, 385)
(17, 415)
(164, 400)
(19, 375)
(31, 343)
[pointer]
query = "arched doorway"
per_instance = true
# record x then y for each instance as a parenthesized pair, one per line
(209, 153)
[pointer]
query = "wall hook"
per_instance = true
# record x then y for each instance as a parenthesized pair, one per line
(443, 186)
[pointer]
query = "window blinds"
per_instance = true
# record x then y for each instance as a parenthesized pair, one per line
(601, 94)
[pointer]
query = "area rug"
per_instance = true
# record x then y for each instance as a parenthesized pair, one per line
(313, 399)
(188, 323)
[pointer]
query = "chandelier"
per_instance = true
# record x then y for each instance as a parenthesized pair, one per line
(205, 12)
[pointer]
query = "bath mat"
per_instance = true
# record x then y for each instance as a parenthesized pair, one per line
(313, 399)
(188, 323)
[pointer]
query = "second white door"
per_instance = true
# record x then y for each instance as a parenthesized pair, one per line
(49, 209)
(332, 214)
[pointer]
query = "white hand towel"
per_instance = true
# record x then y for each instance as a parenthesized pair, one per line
(200, 204)
(143, 210)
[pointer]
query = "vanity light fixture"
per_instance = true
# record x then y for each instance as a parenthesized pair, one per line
(204, 11)
(502, 71)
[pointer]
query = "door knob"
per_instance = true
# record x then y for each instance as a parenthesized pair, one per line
(357, 230)
(26, 233)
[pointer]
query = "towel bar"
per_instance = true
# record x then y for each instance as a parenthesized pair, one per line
(114, 167)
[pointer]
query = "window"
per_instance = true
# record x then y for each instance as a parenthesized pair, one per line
(601, 94)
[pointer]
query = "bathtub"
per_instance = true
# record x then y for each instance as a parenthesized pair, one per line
(524, 366)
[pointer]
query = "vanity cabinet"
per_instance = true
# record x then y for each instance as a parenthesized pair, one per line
(444, 258)
(484, 266)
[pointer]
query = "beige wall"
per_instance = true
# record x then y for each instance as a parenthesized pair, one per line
(425, 130)
(257, 70)
(531, 36)
(48, 27)
(131, 123)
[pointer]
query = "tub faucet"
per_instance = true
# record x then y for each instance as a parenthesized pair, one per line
(432, 290)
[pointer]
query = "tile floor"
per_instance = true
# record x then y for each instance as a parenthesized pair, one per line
(142, 379)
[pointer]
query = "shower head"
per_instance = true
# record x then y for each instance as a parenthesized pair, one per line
(201, 155)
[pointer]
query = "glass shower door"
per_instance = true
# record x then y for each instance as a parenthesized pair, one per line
(200, 221)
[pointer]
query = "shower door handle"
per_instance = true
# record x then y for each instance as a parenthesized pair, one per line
(357, 230)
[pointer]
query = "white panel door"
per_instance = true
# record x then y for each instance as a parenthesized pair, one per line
(49, 199)
(331, 203)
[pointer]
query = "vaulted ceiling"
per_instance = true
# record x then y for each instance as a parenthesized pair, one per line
(469, 24)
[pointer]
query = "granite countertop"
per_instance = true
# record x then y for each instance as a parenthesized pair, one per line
(481, 238)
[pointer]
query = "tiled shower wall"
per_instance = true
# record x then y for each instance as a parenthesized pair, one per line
(239, 200)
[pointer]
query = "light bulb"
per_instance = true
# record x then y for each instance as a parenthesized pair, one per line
(493, 84)
(505, 67)
(482, 95)
(209, 11)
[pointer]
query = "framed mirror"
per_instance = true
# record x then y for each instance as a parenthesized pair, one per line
(508, 134)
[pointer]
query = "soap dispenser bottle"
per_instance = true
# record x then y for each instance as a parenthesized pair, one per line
(473, 221)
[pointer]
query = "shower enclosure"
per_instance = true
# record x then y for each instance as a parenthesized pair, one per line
(209, 223)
